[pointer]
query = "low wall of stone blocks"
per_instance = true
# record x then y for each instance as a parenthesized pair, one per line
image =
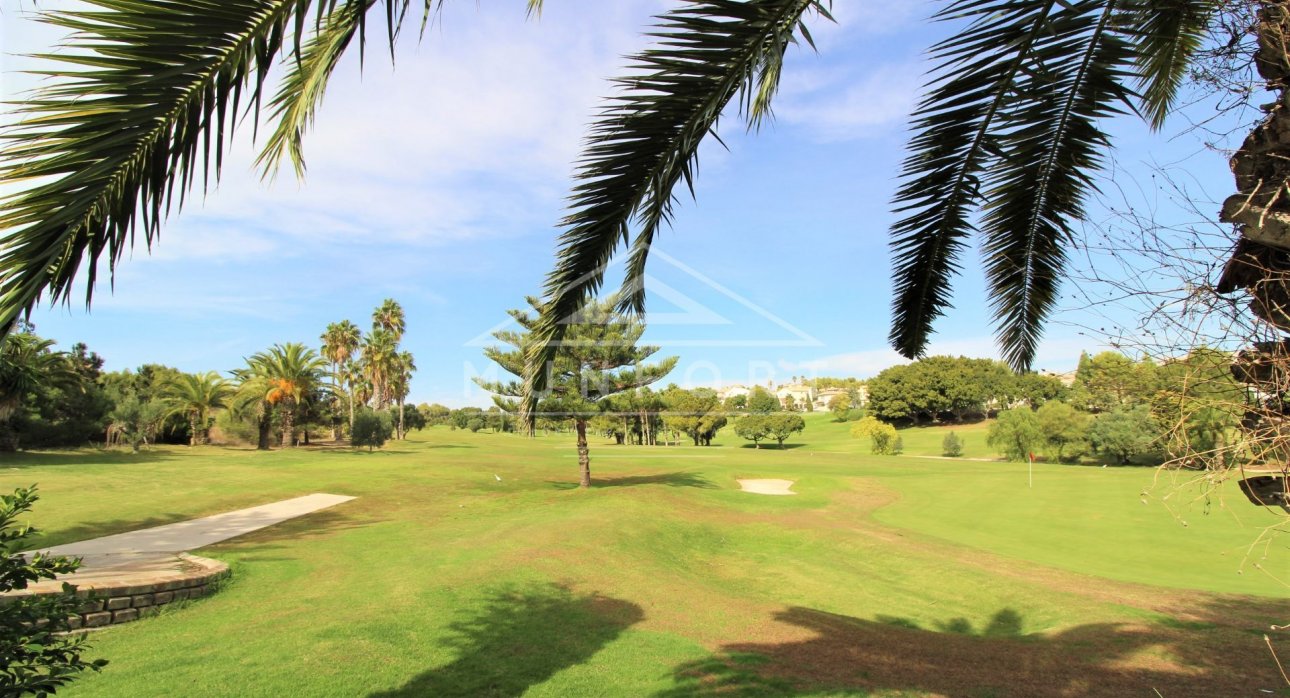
(127, 597)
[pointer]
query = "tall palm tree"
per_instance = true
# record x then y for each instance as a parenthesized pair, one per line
(196, 395)
(401, 383)
(339, 344)
(292, 373)
(389, 317)
(380, 357)
(1005, 143)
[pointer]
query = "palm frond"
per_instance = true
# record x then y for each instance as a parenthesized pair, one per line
(143, 101)
(1167, 34)
(1053, 147)
(956, 129)
(136, 103)
(645, 141)
(302, 89)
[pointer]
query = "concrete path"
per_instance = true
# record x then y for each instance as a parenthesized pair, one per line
(146, 546)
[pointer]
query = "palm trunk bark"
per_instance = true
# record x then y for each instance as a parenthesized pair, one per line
(266, 428)
(288, 427)
(194, 436)
(584, 456)
(402, 431)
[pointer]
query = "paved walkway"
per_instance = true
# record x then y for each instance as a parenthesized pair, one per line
(157, 550)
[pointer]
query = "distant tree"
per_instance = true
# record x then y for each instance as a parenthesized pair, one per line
(403, 367)
(754, 427)
(389, 317)
(340, 345)
(1016, 434)
(598, 358)
(951, 446)
(371, 428)
(1035, 389)
(695, 413)
(840, 405)
(790, 403)
(38, 652)
(761, 401)
(292, 373)
(27, 363)
(736, 403)
(781, 425)
(137, 421)
(435, 414)
(474, 424)
(380, 362)
(1124, 434)
(196, 396)
(416, 419)
(1111, 380)
(1064, 428)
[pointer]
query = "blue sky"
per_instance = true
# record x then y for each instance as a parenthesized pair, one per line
(438, 182)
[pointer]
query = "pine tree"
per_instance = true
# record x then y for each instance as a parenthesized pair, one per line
(597, 358)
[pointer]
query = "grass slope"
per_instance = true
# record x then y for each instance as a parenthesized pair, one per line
(890, 576)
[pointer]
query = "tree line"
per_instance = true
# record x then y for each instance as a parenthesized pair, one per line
(356, 383)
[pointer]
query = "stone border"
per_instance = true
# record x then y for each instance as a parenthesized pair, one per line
(138, 595)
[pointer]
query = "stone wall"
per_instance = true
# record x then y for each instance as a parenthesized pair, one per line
(124, 598)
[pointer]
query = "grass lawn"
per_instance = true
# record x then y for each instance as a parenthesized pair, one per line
(887, 576)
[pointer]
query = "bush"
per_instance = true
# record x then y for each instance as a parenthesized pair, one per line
(475, 424)
(883, 439)
(952, 445)
(371, 429)
(36, 654)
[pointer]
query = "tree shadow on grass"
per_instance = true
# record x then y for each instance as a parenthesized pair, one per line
(520, 639)
(818, 651)
(675, 479)
(89, 456)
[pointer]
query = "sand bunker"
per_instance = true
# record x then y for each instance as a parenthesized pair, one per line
(777, 487)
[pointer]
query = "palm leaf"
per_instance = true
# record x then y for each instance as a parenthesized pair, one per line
(143, 101)
(645, 142)
(301, 91)
(1045, 171)
(956, 134)
(1167, 34)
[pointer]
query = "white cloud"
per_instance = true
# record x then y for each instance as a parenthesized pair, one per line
(844, 104)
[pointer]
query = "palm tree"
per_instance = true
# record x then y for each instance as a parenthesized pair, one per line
(27, 363)
(401, 383)
(389, 317)
(339, 344)
(292, 373)
(1008, 131)
(380, 354)
(196, 396)
(251, 400)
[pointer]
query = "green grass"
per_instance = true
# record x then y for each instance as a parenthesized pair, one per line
(886, 576)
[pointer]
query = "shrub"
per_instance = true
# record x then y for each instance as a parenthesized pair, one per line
(475, 424)
(952, 445)
(371, 429)
(883, 439)
(36, 654)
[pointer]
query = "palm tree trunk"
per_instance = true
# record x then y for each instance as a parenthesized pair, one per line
(193, 438)
(402, 432)
(584, 456)
(351, 412)
(288, 427)
(266, 427)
